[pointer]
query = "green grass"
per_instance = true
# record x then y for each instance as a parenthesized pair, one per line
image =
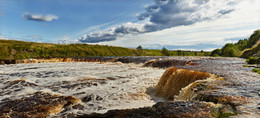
(246, 65)
(10, 49)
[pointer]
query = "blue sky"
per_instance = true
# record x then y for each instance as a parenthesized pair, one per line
(174, 24)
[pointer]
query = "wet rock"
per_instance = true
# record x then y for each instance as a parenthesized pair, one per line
(78, 106)
(80, 93)
(8, 61)
(166, 63)
(2, 62)
(38, 104)
(88, 98)
(161, 109)
(111, 78)
(222, 99)
(98, 98)
(92, 97)
(17, 83)
(78, 84)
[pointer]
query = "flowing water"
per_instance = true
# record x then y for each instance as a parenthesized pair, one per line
(99, 87)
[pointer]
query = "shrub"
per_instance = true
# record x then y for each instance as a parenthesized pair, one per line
(165, 52)
(256, 70)
(253, 60)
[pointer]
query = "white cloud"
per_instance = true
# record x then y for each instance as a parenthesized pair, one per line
(165, 14)
(240, 23)
(112, 33)
(39, 17)
(67, 40)
(207, 25)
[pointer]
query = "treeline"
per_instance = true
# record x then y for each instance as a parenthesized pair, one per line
(243, 48)
(10, 49)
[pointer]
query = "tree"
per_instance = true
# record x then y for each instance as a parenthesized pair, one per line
(216, 52)
(139, 47)
(179, 52)
(165, 52)
(230, 50)
(140, 50)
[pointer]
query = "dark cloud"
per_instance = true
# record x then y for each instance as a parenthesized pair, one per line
(98, 37)
(39, 17)
(165, 14)
(226, 11)
(173, 13)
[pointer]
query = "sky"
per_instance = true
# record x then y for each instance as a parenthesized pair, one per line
(153, 24)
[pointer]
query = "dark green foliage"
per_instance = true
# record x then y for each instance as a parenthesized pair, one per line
(256, 70)
(216, 52)
(140, 50)
(139, 47)
(165, 52)
(243, 48)
(242, 44)
(251, 52)
(253, 60)
(230, 50)
(253, 39)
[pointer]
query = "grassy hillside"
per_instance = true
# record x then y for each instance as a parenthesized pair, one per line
(10, 49)
(243, 48)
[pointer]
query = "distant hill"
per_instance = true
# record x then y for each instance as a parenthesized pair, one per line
(243, 48)
(10, 49)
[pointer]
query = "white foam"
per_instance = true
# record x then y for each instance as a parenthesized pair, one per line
(126, 91)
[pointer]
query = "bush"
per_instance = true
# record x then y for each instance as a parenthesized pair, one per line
(230, 50)
(216, 55)
(256, 70)
(165, 52)
(216, 52)
(253, 60)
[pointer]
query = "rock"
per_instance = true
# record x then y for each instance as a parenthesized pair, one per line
(166, 63)
(37, 105)
(111, 78)
(161, 110)
(92, 97)
(2, 62)
(78, 106)
(88, 98)
(98, 98)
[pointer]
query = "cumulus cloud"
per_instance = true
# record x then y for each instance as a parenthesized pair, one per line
(112, 33)
(165, 14)
(39, 17)
(173, 13)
